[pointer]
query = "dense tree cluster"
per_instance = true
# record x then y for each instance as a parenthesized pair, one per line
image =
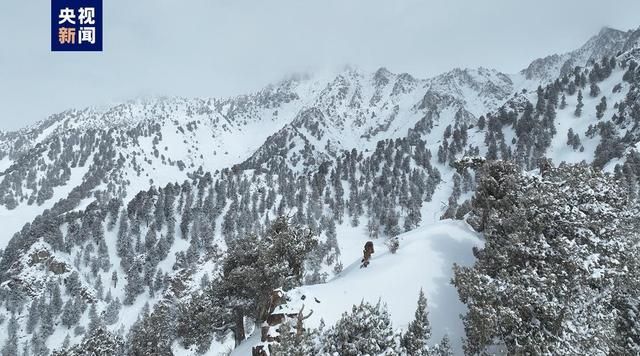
(365, 330)
(100, 342)
(559, 252)
(253, 267)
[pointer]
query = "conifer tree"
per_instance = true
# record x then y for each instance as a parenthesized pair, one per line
(56, 299)
(366, 330)
(419, 331)
(34, 316)
(579, 106)
(594, 90)
(255, 266)
(481, 122)
(444, 347)
(26, 349)
(67, 342)
(535, 255)
(95, 321)
(46, 323)
(600, 108)
(10, 347)
(294, 343)
(112, 312)
(70, 313)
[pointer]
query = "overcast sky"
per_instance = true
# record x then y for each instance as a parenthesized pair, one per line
(220, 48)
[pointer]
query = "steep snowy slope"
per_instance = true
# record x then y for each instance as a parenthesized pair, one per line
(606, 43)
(121, 150)
(423, 262)
(357, 110)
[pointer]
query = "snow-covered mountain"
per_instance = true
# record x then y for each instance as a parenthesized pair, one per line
(121, 150)
(118, 218)
(357, 110)
(606, 43)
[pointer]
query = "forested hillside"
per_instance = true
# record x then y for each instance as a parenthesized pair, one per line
(163, 226)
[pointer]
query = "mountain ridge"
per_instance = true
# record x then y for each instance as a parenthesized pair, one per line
(360, 154)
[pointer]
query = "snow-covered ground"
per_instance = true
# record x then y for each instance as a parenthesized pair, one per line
(424, 260)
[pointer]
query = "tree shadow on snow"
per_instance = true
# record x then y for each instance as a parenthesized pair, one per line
(444, 305)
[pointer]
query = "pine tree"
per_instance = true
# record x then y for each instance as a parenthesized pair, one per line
(46, 322)
(67, 342)
(73, 283)
(95, 321)
(373, 228)
(153, 333)
(34, 316)
(38, 345)
(197, 318)
(570, 138)
(158, 284)
(540, 103)
(98, 342)
(419, 331)
(294, 343)
(541, 255)
(56, 299)
(26, 349)
(99, 288)
(255, 266)
(393, 244)
(114, 278)
(111, 314)
(579, 106)
(492, 151)
(124, 247)
(481, 122)
(577, 143)
(135, 283)
(71, 312)
(594, 90)
(600, 108)
(10, 347)
(626, 301)
(366, 330)
(444, 347)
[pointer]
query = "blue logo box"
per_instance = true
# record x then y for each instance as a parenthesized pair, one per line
(76, 25)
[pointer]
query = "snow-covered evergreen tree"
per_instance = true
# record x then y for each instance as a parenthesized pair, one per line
(99, 342)
(416, 338)
(292, 342)
(365, 330)
(443, 348)
(554, 243)
(10, 347)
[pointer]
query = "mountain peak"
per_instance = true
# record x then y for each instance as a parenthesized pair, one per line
(381, 77)
(608, 42)
(605, 30)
